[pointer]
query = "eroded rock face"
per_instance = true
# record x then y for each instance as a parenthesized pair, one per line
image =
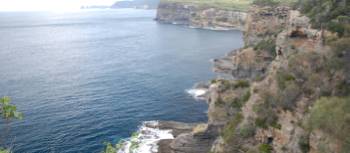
(264, 23)
(244, 64)
(187, 140)
(190, 143)
(300, 55)
(200, 17)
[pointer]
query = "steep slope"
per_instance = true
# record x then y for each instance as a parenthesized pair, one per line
(274, 101)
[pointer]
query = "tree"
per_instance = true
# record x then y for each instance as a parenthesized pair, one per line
(8, 112)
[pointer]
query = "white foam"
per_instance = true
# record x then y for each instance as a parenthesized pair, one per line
(198, 93)
(146, 140)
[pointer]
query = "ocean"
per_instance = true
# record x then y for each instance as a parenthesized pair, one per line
(92, 76)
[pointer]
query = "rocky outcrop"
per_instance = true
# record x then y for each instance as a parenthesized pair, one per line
(200, 17)
(188, 139)
(244, 64)
(264, 23)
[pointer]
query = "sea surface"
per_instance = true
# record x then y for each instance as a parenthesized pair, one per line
(86, 77)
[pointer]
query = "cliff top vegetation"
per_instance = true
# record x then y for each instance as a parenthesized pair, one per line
(239, 5)
(223, 4)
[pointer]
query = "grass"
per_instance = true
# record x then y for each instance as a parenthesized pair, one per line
(239, 5)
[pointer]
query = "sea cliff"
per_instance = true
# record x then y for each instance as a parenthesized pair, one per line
(273, 103)
(200, 16)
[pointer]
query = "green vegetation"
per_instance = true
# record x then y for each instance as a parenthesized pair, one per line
(228, 85)
(332, 116)
(241, 84)
(9, 111)
(134, 142)
(239, 5)
(265, 148)
(267, 45)
(304, 143)
(266, 116)
(239, 102)
(110, 148)
(247, 130)
(340, 46)
(265, 2)
(274, 2)
(330, 14)
(283, 79)
(3, 150)
(229, 131)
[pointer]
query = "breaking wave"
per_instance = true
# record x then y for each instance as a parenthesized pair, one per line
(198, 93)
(145, 140)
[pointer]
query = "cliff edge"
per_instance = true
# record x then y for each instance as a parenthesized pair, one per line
(200, 16)
(290, 85)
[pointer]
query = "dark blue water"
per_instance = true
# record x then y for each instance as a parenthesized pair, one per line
(86, 77)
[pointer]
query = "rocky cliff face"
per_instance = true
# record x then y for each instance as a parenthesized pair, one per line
(278, 77)
(275, 118)
(200, 17)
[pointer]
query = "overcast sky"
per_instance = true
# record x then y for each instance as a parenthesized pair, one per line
(54, 5)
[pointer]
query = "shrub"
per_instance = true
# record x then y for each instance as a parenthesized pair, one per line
(342, 88)
(340, 46)
(266, 116)
(247, 130)
(225, 85)
(265, 148)
(304, 144)
(213, 81)
(246, 96)
(239, 102)
(229, 131)
(288, 97)
(267, 45)
(261, 122)
(332, 116)
(282, 78)
(7, 110)
(241, 84)
(337, 27)
(321, 12)
(219, 101)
